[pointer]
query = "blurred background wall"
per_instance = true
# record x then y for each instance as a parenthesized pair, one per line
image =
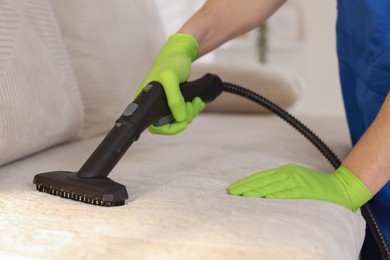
(300, 38)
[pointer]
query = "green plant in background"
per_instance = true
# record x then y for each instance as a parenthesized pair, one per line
(262, 43)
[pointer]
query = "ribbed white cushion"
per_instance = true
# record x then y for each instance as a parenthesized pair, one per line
(39, 101)
(111, 45)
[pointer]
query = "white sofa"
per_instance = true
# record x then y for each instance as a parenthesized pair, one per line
(68, 69)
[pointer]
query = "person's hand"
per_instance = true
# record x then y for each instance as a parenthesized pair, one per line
(192, 108)
(296, 182)
(172, 67)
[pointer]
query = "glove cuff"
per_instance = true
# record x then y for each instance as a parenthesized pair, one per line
(185, 43)
(356, 187)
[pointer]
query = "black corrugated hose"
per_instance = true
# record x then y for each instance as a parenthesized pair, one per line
(366, 211)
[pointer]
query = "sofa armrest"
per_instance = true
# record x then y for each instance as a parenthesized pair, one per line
(280, 86)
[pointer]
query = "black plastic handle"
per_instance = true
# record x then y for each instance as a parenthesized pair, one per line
(208, 88)
(149, 107)
(152, 101)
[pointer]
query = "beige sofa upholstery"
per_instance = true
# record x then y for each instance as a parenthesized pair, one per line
(63, 85)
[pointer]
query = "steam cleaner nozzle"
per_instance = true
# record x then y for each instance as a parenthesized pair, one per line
(91, 184)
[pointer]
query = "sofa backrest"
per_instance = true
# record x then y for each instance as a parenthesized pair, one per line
(69, 68)
(111, 45)
(40, 104)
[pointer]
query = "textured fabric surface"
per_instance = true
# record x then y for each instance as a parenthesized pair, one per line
(178, 206)
(111, 45)
(39, 101)
(280, 86)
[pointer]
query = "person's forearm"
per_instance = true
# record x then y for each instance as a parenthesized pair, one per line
(370, 157)
(221, 20)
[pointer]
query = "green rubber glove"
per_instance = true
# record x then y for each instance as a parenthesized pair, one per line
(193, 109)
(172, 67)
(296, 182)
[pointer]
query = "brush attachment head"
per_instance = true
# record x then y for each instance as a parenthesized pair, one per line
(101, 191)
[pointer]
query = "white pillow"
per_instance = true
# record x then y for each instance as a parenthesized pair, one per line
(112, 44)
(39, 101)
(279, 86)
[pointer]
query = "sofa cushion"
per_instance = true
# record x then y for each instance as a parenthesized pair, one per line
(39, 101)
(111, 45)
(178, 206)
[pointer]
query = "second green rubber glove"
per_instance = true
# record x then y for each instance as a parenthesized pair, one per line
(296, 182)
(172, 67)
